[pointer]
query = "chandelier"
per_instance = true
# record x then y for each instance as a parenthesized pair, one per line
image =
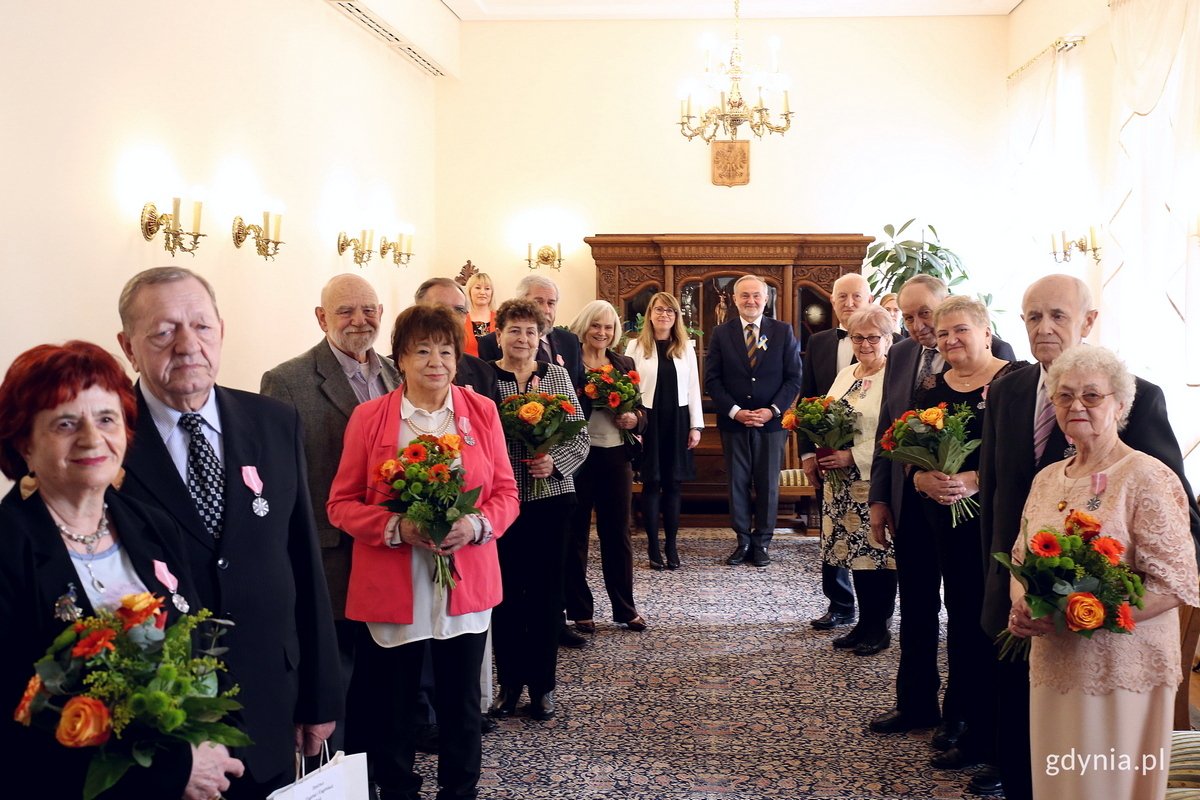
(728, 107)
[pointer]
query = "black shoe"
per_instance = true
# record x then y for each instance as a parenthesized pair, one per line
(848, 641)
(759, 557)
(832, 619)
(874, 644)
(656, 559)
(738, 556)
(426, 739)
(946, 735)
(569, 638)
(505, 704)
(672, 557)
(487, 724)
(986, 782)
(953, 759)
(657, 566)
(541, 707)
(895, 721)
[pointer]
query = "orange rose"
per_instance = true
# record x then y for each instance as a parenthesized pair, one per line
(1125, 617)
(1045, 544)
(1084, 611)
(95, 642)
(590, 391)
(531, 413)
(1082, 524)
(439, 473)
(607, 368)
(1108, 547)
(137, 608)
(452, 444)
(789, 420)
(933, 417)
(22, 714)
(84, 723)
(388, 469)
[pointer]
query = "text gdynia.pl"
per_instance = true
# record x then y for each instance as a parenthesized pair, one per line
(1112, 761)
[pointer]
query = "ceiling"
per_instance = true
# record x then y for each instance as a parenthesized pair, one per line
(720, 9)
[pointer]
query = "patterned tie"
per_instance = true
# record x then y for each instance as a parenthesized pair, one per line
(926, 369)
(751, 346)
(1043, 425)
(205, 480)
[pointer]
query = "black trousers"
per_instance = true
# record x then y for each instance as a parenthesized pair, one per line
(753, 458)
(605, 483)
(919, 581)
(1013, 754)
(395, 673)
(876, 590)
(525, 625)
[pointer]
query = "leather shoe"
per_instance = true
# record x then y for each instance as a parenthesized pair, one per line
(946, 735)
(738, 556)
(569, 638)
(895, 721)
(848, 641)
(832, 619)
(986, 782)
(953, 758)
(872, 645)
(542, 706)
(759, 557)
(487, 724)
(505, 704)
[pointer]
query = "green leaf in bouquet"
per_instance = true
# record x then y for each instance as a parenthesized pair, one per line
(1089, 583)
(103, 773)
(1038, 607)
(1062, 587)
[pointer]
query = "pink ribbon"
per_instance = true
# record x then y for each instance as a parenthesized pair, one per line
(251, 479)
(163, 573)
(1099, 483)
(464, 426)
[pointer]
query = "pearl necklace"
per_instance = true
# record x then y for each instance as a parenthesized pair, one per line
(89, 542)
(436, 431)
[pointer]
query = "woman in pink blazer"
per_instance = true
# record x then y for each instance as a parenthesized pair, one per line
(391, 580)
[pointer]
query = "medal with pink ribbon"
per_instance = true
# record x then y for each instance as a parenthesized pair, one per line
(464, 427)
(259, 504)
(163, 573)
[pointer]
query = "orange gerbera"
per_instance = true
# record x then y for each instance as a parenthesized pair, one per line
(439, 473)
(1045, 544)
(414, 453)
(607, 378)
(94, 643)
(614, 399)
(1108, 547)
(1125, 617)
(567, 407)
(23, 713)
(634, 377)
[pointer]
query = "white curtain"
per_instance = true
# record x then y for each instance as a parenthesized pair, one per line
(1145, 43)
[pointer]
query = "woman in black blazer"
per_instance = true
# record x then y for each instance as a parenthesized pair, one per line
(71, 544)
(604, 482)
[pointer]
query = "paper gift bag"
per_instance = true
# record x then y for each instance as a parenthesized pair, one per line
(343, 777)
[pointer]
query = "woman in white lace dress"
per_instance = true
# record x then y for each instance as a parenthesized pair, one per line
(1101, 708)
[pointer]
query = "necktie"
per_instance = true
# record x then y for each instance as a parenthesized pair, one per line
(1043, 425)
(205, 480)
(926, 369)
(841, 333)
(751, 346)
(544, 352)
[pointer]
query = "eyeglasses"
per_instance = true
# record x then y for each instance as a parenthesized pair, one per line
(860, 339)
(1089, 399)
(663, 312)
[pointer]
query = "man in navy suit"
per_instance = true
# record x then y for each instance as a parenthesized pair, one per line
(752, 372)
(229, 467)
(559, 346)
(1058, 314)
(892, 493)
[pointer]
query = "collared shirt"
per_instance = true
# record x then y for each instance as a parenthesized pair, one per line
(366, 379)
(757, 323)
(166, 421)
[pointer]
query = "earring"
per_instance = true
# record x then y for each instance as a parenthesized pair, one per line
(28, 486)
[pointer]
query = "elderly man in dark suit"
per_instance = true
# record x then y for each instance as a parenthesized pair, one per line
(827, 354)
(324, 384)
(473, 373)
(892, 495)
(752, 372)
(229, 466)
(1058, 314)
(559, 346)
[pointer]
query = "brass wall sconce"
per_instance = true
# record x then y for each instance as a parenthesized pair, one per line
(363, 246)
(174, 237)
(1061, 248)
(266, 236)
(546, 257)
(401, 249)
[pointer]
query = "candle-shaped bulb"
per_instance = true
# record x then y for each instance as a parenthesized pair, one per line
(276, 227)
(196, 206)
(175, 225)
(1092, 236)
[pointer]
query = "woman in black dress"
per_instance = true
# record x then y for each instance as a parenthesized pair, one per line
(665, 358)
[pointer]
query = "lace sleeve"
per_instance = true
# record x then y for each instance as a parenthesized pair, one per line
(1159, 527)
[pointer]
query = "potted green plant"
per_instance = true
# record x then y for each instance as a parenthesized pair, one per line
(894, 260)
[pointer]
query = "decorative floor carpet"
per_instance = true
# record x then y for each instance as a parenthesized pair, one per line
(730, 693)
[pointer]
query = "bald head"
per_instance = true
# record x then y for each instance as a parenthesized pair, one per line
(1058, 314)
(349, 314)
(850, 293)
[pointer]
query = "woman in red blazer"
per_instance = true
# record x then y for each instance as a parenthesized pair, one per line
(391, 579)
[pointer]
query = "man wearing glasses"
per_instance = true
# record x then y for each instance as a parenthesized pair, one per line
(1019, 439)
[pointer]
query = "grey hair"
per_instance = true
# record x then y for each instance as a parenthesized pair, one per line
(152, 277)
(531, 282)
(597, 309)
(857, 277)
(432, 282)
(749, 277)
(961, 304)
(934, 284)
(872, 315)
(1099, 361)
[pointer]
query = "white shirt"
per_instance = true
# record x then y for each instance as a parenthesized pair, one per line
(166, 421)
(114, 569)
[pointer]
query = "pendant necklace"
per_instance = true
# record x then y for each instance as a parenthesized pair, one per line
(1062, 504)
(89, 542)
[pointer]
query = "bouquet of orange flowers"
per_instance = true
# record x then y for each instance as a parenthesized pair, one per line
(1077, 576)
(540, 421)
(615, 392)
(829, 423)
(125, 683)
(931, 439)
(426, 483)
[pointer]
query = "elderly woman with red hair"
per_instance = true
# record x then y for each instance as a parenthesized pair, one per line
(72, 545)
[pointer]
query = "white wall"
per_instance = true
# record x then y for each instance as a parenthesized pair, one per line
(576, 123)
(108, 105)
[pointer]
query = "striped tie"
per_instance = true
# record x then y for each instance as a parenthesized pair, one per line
(1043, 425)
(751, 346)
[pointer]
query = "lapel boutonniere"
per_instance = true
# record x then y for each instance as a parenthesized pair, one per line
(762, 344)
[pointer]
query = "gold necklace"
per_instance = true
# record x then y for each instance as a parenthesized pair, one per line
(1062, 504)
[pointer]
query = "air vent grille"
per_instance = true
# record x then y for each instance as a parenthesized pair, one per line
(382, 31)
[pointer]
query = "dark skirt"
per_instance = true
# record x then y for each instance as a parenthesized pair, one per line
(666, 457)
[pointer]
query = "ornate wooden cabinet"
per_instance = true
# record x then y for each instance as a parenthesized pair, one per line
(699, 269)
